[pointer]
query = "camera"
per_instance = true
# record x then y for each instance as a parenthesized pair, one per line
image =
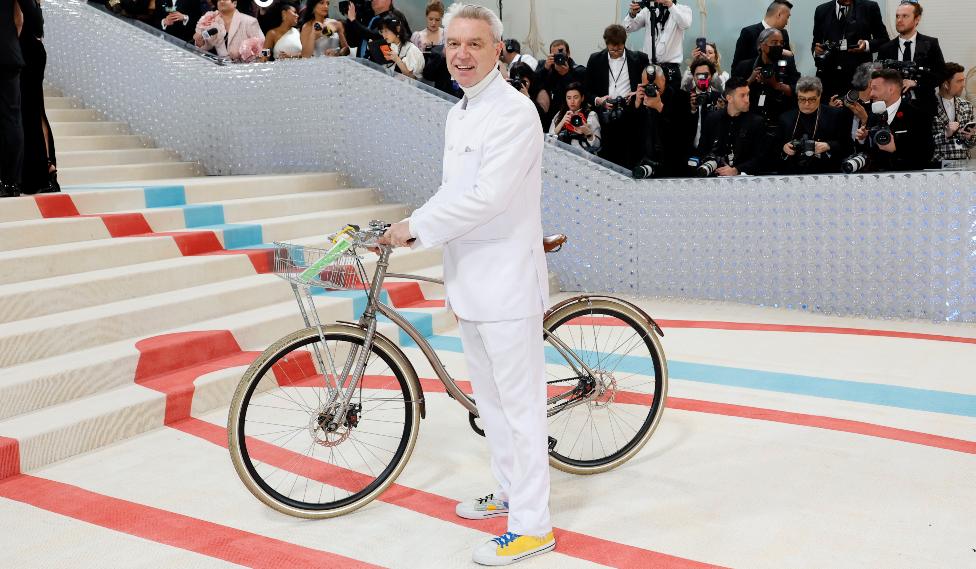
(517, 82)
(326, 30)
(559, 58)
(855, 163)
(211, 33)
(767, 71)
(804, 147)
(709, 165)
(265, 53)
(650, 89)
(853, 97)
(577, 120)
(880, 135)
(908, 69)
(615, 108)
(829, 47)
(645, 169)
(512, 46)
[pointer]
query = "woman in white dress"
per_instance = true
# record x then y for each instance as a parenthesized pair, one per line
(402, 55)
(320, 34)
(283, 40)
(433, 34)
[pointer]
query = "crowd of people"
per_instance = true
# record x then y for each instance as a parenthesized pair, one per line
(877, 103)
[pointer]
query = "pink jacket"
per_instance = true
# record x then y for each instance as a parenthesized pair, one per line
(242, 27)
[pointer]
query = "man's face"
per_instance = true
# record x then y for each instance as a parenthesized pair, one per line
(616, 51)
(470, 52)
(808, 101)
(882, 90)
(845, 2)
(956, 85)
(226, 5)
(380, 6)
(739, 100)
(781, 18)
(905, 19)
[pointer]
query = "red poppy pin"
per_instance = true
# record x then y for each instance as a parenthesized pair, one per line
(899, 115)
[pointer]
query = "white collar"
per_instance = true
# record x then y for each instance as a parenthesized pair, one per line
(893, 110)
(765, 25)
(911, 39)
(477, 88)
(619, 61)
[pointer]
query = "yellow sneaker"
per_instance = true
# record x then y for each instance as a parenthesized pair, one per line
(511, 548)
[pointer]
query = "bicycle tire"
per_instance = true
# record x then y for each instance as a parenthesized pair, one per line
(242, 445)
(619, 315)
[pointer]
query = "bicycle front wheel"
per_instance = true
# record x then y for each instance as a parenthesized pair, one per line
(288, 442)
(599, 420)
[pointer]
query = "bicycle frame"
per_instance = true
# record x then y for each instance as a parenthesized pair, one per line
(355, 363)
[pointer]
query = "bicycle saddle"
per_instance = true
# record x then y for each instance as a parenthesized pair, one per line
(553, 242)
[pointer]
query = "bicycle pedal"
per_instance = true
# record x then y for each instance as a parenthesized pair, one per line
(552, 444)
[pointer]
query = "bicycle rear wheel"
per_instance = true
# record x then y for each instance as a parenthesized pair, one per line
(599, 421)
(292, 450)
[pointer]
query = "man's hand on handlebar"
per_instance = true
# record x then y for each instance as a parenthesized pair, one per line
(398, 235)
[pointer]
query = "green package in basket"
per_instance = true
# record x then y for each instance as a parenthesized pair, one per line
(343, 242)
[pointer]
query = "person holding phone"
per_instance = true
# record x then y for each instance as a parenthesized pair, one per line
(954, 128)
(400, 54)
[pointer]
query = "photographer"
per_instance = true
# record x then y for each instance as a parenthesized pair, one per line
(512, 54)
(733, 141)
(778, 17)
(916, 56)
(664, 118)
(666, 22)
(772, 77)
(711, 54)
(612, 76)
(321, 35)
(357, 12)
(523, 79)
(705, 94)
(953, 130)
(555, 74)
(845, 32)
(575, 123)
(177, 17)
(899, 138)
(813, 136)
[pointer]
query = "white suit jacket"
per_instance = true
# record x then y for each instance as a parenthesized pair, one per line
(487, 212)
(242, 27)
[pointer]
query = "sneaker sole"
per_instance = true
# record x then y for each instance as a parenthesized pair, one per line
(482, 516)
(499, 561)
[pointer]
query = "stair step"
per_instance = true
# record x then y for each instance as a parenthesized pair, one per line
(127, 172)
(51, 91)
(60, 103)
(83, 143)
(115, 157)
(72, 115)
(88, 128)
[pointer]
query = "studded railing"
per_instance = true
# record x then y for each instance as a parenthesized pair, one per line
(892, 245)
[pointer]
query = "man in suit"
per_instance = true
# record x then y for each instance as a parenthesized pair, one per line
(826, 127)
(911, 146)
(923, 50)
(777, 16)
(611, 73)
(487, 216)
(856, 29)
(734, 136)
(665, 120)
(772, 77)
(233, 28)
(11, 123)
(952, 129)
(177, 17)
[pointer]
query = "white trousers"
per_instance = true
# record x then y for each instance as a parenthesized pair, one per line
(506, 364)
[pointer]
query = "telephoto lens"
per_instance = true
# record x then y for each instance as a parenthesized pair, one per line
(559, 58)
(855, 163)
(707, 168)
(644, 171)
(576, 121)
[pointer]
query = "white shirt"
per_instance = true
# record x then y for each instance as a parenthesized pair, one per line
(950, 108)
(619, 79)
(669, 41)
(901, 46)
(893, 110)
(412, 57)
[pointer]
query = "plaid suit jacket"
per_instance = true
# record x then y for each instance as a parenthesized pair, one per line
(954, 147)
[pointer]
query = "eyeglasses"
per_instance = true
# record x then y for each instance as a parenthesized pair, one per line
(808, 99)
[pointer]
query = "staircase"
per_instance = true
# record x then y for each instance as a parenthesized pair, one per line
(139, 295)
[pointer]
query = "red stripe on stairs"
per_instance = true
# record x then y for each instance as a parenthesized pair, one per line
(9, 457)
(124, 224)
(409, 295)
(169, 528)
(55, 205)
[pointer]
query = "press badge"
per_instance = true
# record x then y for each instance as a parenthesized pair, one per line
(762, 100)
(843, 44)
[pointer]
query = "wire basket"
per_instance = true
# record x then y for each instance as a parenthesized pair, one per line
(345, 273)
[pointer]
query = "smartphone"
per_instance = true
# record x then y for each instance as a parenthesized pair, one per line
(969, 126)
(701, 44)
(385, 49)
(266, 52)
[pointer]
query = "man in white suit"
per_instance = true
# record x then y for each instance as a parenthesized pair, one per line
(487, 215)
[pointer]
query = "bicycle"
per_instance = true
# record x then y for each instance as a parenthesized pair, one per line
(326, 418)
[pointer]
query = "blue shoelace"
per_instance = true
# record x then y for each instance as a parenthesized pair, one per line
(506, 538)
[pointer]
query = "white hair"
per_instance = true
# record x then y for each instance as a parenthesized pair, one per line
(475, 12)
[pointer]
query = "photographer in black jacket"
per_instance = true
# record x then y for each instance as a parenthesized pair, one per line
(814, 137)
(612, 77)
(555, 74)
(705, 95)
(910, 49)
(664, 117)
(734, 141)
(845, 33)
(908, 143)
(772, 77)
